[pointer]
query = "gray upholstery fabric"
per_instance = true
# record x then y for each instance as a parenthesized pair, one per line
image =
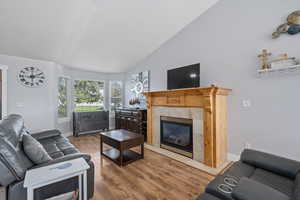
(11, 150)
(280, 183)
(266, 173)
(66, 158)
(296, 191)
(248, 189)
(12, 129)
(240, 169)
(212, 188)
(46, 134)
(14, 159)
(276, 164)
(207, 196)
(58, 146)
(34, 150)
(6, 175)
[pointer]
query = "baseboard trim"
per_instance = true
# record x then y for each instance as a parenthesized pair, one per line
(233, 157)
(68, 134)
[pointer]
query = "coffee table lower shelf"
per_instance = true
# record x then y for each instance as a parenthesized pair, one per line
(129, 156)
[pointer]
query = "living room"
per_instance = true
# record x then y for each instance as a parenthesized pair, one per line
(75, 74)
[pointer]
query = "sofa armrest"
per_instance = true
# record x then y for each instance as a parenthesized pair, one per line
(65, 158)
(296, 193)
(46, 134)
(248, 189)
(278, 165)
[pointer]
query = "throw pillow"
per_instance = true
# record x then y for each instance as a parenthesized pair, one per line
(34, 150)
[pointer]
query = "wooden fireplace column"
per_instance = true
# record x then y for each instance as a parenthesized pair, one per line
(213, 101)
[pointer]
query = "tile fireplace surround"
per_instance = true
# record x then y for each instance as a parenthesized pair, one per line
(207, 107)
(189, 113)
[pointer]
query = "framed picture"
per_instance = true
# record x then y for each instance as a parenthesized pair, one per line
(140, 84)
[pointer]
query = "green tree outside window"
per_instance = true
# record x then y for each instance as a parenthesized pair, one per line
(89, 95)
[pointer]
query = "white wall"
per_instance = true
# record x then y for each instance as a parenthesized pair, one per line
(226, 41)
(38, 106)
(35, 104)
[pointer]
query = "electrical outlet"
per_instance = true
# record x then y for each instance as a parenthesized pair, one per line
(247, 145)
(246, 103)
(20, 104)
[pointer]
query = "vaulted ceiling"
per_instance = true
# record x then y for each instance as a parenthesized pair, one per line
(97, 35)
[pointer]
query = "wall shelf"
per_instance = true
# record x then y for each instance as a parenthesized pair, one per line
(278, 71)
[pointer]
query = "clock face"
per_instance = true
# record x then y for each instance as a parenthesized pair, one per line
(32, 77)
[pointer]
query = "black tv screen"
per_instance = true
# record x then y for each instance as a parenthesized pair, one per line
(184, 77)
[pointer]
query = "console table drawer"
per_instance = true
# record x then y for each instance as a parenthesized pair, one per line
(110, 142)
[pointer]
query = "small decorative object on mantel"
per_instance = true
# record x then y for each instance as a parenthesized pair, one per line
(134, 101)
(283, 61)
(264, 58)
(292, 26)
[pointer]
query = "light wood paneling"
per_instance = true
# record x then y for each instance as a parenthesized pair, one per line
(156, 177)
(214, 102)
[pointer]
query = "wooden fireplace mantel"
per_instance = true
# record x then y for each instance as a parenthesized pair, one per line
(213, 101)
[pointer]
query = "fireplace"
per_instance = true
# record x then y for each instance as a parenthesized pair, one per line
(176, 134)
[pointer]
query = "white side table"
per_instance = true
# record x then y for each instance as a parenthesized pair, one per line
(2, 193)
(43, 176)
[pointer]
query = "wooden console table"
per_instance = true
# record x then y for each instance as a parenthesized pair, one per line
(134, 120)
(213, 101)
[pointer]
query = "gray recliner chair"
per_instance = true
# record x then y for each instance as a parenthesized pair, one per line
(14, 163)
(257, 176)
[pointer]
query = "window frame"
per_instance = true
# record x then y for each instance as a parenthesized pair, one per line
(67, 118)
(4, 77)
(83, 79)
(110, 93)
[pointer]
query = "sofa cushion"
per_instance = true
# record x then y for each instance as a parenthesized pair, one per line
(275, 164)
(240, 169)
(58, 146)
(249, 189)
(14, 159)
(280, 183)
(34, 150)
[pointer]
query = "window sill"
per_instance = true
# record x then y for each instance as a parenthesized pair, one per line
(63, 120)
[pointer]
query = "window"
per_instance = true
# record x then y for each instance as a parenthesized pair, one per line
(62, 97)
(115, 94)
(89, 95)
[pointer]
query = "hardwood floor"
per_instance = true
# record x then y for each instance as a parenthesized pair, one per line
(154, 178)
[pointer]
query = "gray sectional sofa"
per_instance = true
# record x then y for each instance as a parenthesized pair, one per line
(14, 162)
(257, 176)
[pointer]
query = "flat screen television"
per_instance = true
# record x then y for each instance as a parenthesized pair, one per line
(184, 77)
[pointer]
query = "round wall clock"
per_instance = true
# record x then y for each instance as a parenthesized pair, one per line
(32, 77)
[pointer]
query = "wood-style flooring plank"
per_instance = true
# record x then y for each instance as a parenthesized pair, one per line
(156, 177)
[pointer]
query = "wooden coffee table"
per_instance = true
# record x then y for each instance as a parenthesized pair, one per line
(121, 141)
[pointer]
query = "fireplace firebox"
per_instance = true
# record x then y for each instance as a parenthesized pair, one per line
(176, 134)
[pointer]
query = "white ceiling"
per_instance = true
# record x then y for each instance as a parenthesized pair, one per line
(97, 35)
